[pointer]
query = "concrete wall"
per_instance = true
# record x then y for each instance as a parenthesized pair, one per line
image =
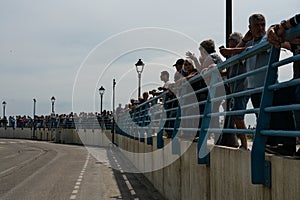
(227, 177)
(87, 137)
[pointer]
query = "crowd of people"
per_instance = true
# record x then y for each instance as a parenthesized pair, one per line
(66, 121)
(188, 67)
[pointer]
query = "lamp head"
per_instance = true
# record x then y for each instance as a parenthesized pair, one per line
(101, 90)
(139, 66)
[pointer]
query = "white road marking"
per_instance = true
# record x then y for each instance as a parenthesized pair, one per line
(5, 171)
(11, 156)
(128, 184)
(79, 180)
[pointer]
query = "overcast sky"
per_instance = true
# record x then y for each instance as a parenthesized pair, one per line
(69, 48)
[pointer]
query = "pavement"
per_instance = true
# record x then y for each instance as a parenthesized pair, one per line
(35, 170)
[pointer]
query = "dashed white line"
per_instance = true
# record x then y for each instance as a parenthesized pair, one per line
(5, 171)
(79, 180)
(129, 186)
(74, 191)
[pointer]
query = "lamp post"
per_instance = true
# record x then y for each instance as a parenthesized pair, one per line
(34, 103)
(52, 103)
(228, 19)
(101, 92)
(139, 69)
(114, 113)
(4, 104)
(33, 123)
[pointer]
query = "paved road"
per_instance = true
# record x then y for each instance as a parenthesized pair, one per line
(33, 170)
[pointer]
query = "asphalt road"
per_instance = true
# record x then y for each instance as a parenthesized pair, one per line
(34, 170)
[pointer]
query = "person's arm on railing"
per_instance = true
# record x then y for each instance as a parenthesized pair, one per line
(276, 33)
(227, 52)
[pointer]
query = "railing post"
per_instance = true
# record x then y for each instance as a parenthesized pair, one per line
(160, 140)
(150, 128)
(203, 151)
(175, 142)
(258, 162)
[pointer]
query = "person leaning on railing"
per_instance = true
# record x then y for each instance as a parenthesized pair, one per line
(240, 102)
(276, 36)
(188, 100)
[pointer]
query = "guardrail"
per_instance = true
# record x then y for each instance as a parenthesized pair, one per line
(195, 110)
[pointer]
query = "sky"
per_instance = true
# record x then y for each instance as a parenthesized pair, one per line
(69, 48)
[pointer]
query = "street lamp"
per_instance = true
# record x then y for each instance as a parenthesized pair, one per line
(4, 104)
(52, 101)
(101, 92)
(114, 113)
(34, 103)
(33, 122)
(139, 69)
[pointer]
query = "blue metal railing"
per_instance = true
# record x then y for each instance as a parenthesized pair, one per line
(196, 110)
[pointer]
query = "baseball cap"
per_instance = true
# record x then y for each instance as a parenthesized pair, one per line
(179, 62)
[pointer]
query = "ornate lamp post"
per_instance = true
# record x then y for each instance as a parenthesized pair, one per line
(52, 103)
(139, 69)
(101, 92)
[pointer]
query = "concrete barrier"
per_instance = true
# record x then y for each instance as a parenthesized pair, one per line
(148, 162)
(171, 172)
(285, 178)
(157, 162)
(227, 177)
(235, 171)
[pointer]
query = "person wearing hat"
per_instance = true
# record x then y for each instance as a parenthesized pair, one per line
(179, 70)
